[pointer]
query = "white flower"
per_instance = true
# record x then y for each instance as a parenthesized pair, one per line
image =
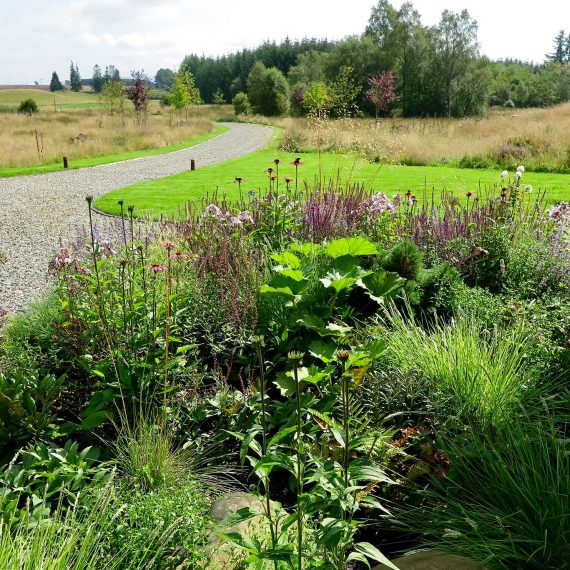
(520, 169)
(504, 174)
(518, 174)
(527, 188)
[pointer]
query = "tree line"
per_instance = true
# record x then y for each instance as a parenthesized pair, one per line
(437, 70)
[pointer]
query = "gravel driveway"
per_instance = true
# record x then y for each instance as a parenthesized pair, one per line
(37, 211)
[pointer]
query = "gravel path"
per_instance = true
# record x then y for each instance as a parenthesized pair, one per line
(38, 211)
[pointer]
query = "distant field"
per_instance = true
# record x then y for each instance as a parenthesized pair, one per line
(168, 195)
(63, 99)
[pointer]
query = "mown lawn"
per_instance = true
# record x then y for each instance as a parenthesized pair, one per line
(167, 195)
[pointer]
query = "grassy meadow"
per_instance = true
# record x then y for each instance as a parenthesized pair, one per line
(167, 196)
(537, 138)
(32, 144)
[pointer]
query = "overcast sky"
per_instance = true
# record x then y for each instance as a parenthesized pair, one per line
(39, 36)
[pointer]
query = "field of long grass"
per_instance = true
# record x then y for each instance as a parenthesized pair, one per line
(539, 138)
(44, 138)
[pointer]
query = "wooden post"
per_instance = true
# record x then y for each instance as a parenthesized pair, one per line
(192, 164)
(65, 165)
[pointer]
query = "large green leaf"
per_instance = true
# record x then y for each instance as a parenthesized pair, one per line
(373, 553)
(283, 291)
(337, 282)
(382, 285)
(354, 246)
(287, 258)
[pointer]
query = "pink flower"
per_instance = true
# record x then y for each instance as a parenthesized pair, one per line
(168, 245)
(156, 267)
(177, 255)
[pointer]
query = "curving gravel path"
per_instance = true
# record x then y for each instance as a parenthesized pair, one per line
(38, 211)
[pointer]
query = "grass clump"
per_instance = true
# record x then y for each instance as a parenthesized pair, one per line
(482, 376)
(506, 500)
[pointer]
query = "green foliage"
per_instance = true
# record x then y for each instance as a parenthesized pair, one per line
(44, 478)
(316, 98)
(484, 376)
(505, 500)
(184, 91)
(344, 92)
(28, 106)
(164, 78)
(405, 259)
(241, 104)
(55, 84)
(268, 90)
(113, 96)
(219, 98)
(317, 290)
(74, 77)
(170, 522)
(26, 408)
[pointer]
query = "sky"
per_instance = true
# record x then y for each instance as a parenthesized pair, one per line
(40, 36)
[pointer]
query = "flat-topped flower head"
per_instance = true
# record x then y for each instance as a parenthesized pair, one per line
(239, 180)
(288, 180)
(269, 170)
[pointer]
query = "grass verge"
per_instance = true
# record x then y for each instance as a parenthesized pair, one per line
(167, 196)
(107, 159)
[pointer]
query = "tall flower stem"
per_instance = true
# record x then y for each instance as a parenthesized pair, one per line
(166, 340)
(273, 530)
(296, 357)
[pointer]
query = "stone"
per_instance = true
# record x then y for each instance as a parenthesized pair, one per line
(433, 560)
(223, 556)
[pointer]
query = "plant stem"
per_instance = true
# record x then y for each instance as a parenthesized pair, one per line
(299, 474)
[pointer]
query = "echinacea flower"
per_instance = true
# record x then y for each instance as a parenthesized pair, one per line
(297, 162)
(238, 179)
(269, 171)
(168, 245)
(468, 194)
(276, 161)
(156, 267)
(177, 255)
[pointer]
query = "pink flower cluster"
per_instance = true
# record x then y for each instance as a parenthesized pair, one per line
(214, 212)
(379, 204)
(560, 213)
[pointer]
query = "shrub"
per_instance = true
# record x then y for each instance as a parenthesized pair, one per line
(268, 90)
(28, 106)
(405, 259)
(241, 104)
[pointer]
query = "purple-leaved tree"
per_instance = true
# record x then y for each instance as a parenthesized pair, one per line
(382, 91)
